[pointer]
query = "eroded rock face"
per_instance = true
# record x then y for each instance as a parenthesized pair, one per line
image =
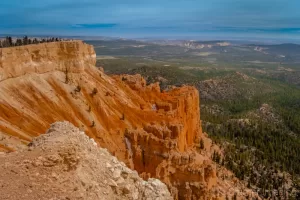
(152, 131)
(65, 164)
(46, 57)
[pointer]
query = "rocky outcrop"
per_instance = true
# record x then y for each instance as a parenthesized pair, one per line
(152, 131)
(65, 164)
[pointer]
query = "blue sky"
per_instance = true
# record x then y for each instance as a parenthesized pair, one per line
(153, 18)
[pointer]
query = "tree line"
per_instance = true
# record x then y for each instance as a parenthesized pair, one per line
(258, 153)
(10, 42)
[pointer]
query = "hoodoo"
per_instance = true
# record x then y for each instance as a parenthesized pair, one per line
(154, 132)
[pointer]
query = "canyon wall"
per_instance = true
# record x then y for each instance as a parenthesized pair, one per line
(154, 132)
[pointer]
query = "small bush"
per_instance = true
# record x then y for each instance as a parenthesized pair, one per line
(67, 78)
(93, 124)
(94, 92)
(78, 88)
(123, 117)
(201, 144)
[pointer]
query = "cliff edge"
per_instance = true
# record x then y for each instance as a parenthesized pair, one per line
(155, 132)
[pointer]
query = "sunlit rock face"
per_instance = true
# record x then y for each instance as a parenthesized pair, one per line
(154, 132)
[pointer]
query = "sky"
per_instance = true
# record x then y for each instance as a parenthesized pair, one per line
(211, 19)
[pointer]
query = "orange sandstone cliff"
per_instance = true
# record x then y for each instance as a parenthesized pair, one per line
(154, 132)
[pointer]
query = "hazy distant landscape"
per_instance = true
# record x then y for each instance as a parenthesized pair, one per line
(279, 62)
(250, 99)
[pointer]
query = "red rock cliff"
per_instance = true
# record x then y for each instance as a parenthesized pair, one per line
(150, 130)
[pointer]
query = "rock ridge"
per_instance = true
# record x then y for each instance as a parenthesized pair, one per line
(65, 164)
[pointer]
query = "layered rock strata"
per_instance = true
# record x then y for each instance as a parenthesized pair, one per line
(154, 132)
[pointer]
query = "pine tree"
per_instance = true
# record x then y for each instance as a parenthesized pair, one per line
(25, 40)
(19, 42)
(35, 41)
(10, 42)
